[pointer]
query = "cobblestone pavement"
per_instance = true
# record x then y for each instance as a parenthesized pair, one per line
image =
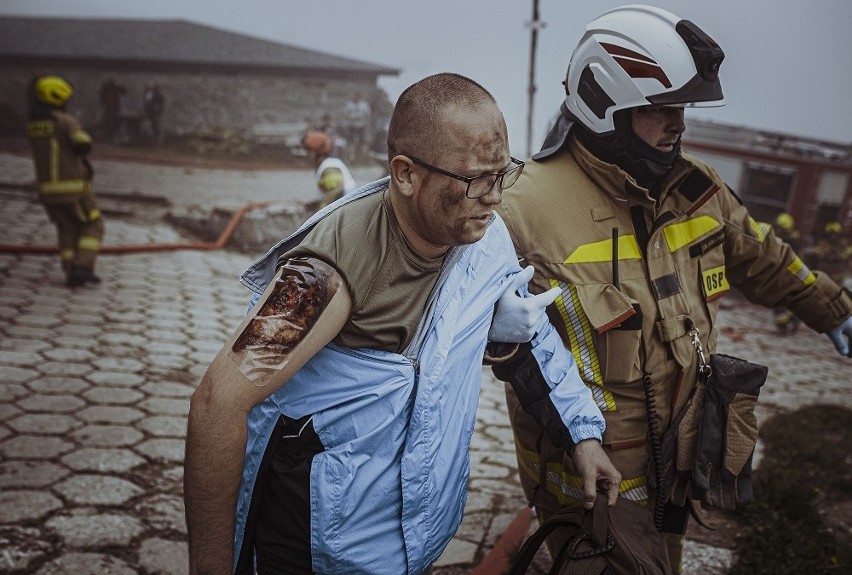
(95, 386)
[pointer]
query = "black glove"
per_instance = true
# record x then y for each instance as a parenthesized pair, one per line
(727, 433)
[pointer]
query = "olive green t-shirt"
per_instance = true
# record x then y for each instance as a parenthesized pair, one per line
(389, 283)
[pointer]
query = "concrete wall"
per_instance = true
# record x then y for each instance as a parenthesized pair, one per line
(197, 103)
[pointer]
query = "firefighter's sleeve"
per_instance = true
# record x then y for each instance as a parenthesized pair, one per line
(548, 385)
(768, 272)
(80, 140)
(545, 377)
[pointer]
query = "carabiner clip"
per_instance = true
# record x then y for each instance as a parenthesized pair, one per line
(704, 369)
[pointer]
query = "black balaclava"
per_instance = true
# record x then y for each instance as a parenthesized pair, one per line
(41, 111)
(626, 150)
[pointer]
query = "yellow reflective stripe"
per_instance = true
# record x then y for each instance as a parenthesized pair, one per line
(40, 129)
(94, 214)
(64, 187)
(581, 344)
(66, 254)
(801, 271)
(528, 463)
(635, 489)
(567, 488)
(90, 243)
(760, 229)
(684, 233)
(80, 137)
(54, 159)
(628, 249)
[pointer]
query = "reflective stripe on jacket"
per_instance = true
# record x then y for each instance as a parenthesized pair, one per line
(388, 493)
(61, 174)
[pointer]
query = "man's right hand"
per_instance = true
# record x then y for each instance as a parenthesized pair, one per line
(516, 316)
(597, 471)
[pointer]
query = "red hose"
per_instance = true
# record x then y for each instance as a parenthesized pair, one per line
(218, 244)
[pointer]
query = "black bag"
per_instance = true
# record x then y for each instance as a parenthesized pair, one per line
(618, 540)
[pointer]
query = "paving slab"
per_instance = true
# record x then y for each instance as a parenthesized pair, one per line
(95, 386)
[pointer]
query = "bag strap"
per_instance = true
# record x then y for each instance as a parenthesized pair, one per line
(566, 517)
(600, 522)
(570, 517)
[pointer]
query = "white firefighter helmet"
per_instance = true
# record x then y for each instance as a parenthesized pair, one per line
(640, 55)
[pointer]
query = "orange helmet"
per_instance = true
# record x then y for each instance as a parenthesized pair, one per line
(316, 142)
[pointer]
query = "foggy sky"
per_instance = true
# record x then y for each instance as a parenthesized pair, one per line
(786, 65)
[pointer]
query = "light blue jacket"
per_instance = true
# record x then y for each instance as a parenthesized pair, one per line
(388, 492)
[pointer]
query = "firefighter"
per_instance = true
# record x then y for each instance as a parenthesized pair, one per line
(831, 253)
(64, 178)
(642, 241)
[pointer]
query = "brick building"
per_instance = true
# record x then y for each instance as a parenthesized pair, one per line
(772, 173)
(211, 78)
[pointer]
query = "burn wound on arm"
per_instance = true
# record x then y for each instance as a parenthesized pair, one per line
(297, 298)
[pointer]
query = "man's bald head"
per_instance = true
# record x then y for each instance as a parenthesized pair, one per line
(415, 126)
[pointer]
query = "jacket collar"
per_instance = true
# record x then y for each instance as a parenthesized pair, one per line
(685, 183)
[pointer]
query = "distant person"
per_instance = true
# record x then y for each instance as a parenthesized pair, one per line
(331, 433)
(333, 177)
(64, 178)
(110, 98)
(153, 104)
(338, 142)
(832, 253)
(358, 118)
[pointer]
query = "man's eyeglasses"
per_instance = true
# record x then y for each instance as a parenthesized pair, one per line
(479, 186)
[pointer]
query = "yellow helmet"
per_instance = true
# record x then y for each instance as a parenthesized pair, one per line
(833, 228)
(785, 221)
(331, 180)
(53, 90)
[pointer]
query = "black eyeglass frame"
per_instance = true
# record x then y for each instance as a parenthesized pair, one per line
(498, 177)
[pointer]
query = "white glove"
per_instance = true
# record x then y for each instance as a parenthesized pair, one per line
(839, 336)
(516, 317)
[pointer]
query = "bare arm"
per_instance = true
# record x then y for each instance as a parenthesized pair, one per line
(302, 309)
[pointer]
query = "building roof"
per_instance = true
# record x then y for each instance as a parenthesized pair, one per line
(782, 146)
(164, 43)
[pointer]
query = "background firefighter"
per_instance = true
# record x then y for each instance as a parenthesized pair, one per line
(832, 253)
(64, 178)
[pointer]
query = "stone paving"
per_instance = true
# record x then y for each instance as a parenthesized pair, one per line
(95, 386)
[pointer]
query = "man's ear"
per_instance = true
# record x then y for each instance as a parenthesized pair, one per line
(404, 176)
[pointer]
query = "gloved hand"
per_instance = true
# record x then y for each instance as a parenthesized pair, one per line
(516, 317)
(840, 336)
